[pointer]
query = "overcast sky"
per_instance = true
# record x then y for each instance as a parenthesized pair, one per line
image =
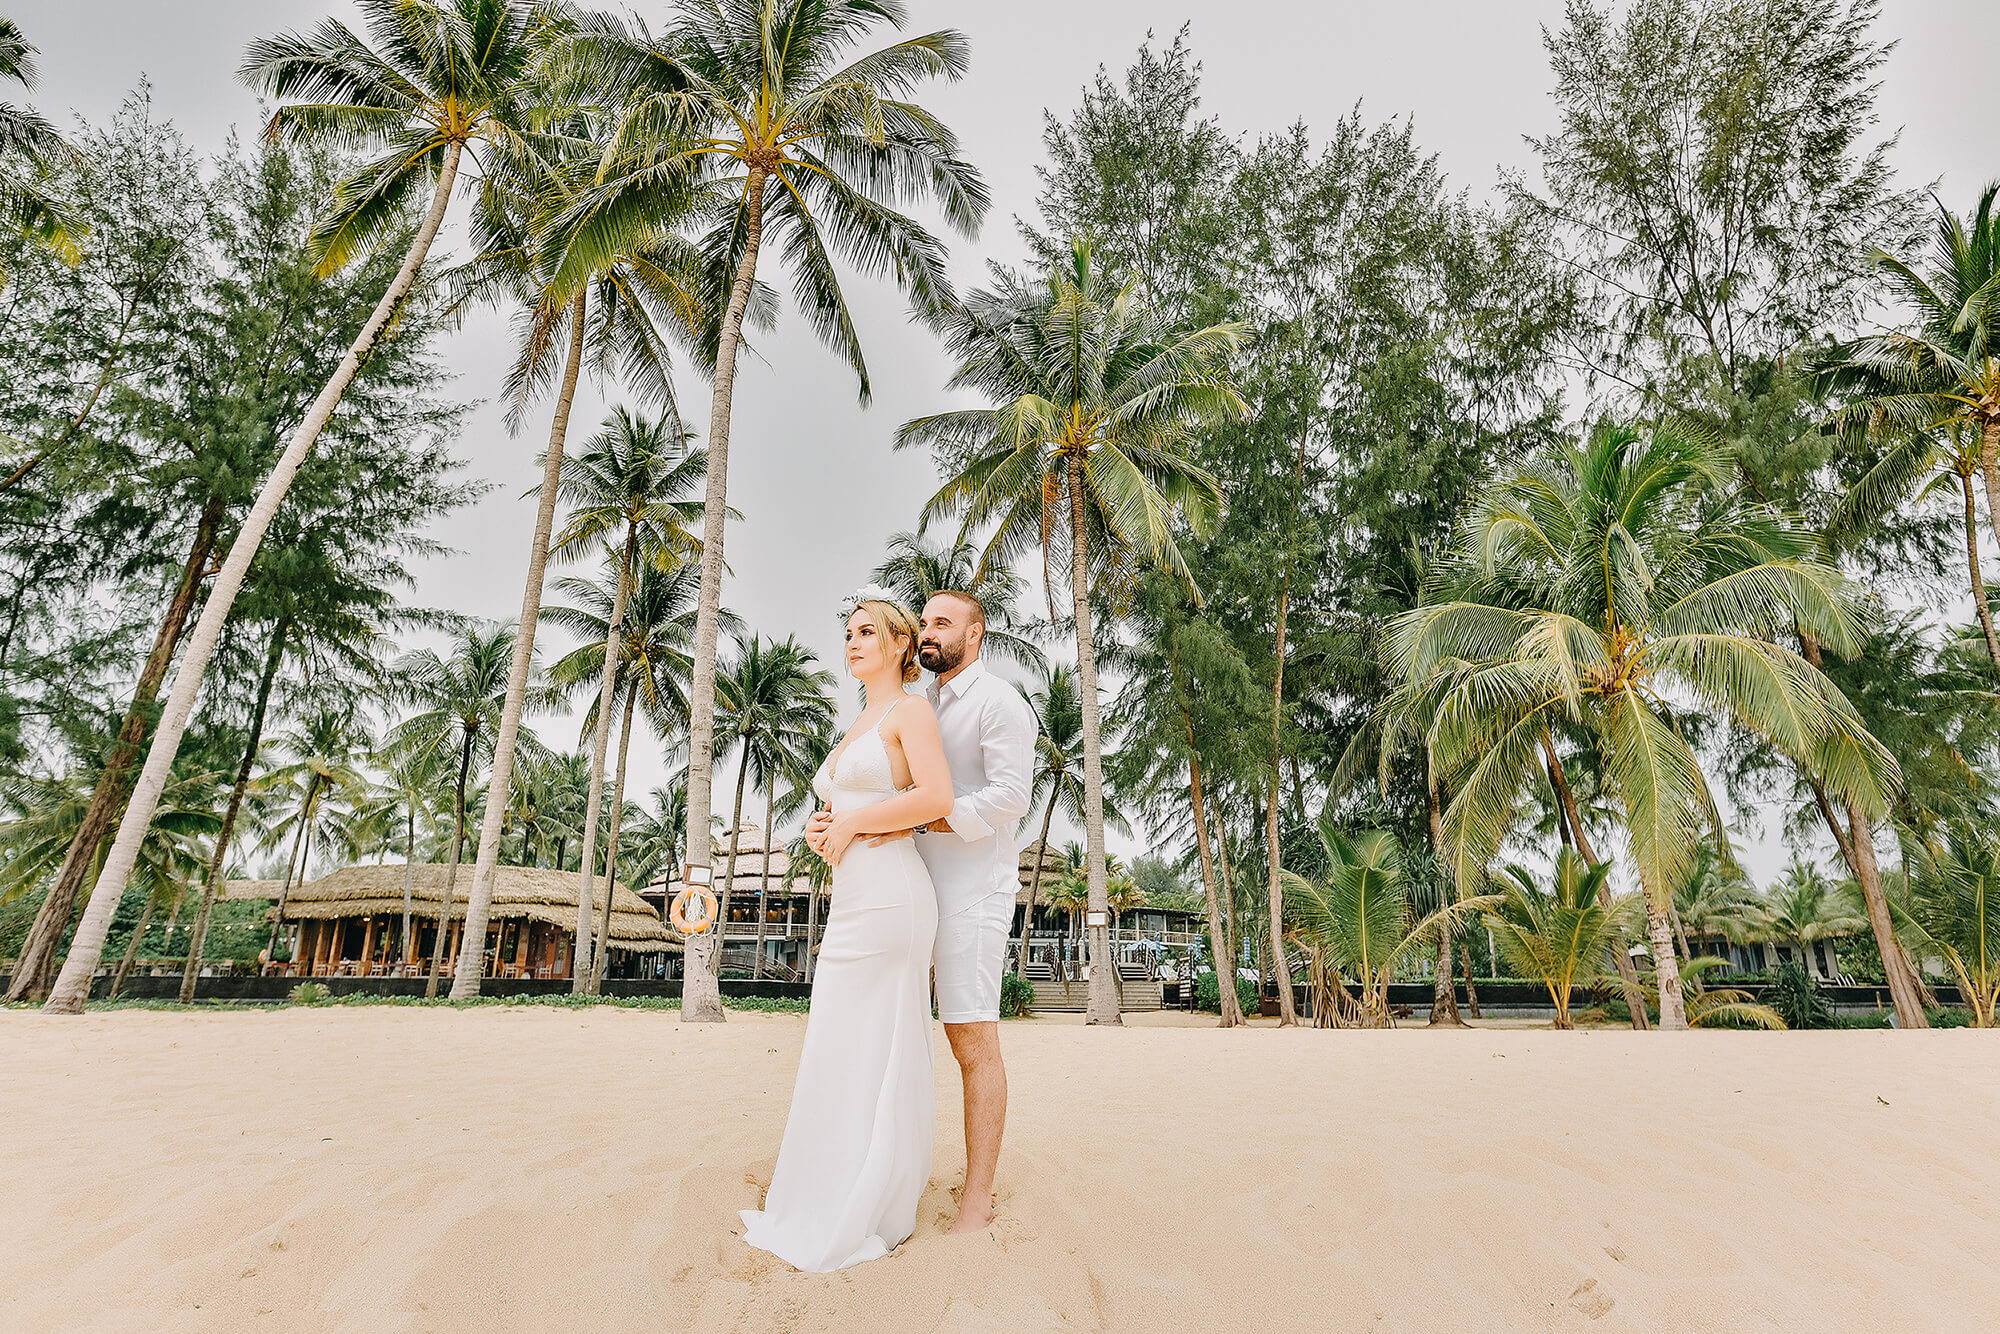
(812, 472)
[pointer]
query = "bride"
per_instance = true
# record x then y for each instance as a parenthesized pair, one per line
(857, 1149)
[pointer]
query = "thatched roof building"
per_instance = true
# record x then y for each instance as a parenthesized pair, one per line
(353, 916)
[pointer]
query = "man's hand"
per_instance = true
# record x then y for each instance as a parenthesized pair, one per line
(941, 825)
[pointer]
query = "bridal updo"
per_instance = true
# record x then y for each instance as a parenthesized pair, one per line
(893, 621)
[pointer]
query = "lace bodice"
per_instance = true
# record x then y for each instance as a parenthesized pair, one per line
(859, 771)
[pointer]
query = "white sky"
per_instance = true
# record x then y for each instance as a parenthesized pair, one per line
(812, 472)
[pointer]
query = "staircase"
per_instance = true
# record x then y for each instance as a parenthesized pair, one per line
(1136, 992)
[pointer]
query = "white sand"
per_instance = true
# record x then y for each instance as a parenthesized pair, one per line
(493, 1170)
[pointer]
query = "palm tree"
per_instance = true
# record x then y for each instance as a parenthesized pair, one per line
(772, 699)
(1954, 914)
(915, 569)
(1094, 399)
(757, 105)
(441, 77)
(1804, 907)
(1593, 588)
(323, 766)
(459, 700)
(617, 309)
(1560, 936)
(632, 476)
(27, 137)
(1058, 780)
(803, 863)
(1934, 390)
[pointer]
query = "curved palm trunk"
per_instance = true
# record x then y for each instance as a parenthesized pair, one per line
(728, 877)
(198, 938)
(599, 746)
(603, 955)
(73, 986)
(1225, 958)
(1989, 465)
(409, 880)
(35, 970)
(701, 997)
(1972, 568)
(764, 883)
(1444, 1003)
(295, 865)
(451, 876)
(1102, 1005)
(479, 903)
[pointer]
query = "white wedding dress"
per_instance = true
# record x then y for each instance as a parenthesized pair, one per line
(857, 1149)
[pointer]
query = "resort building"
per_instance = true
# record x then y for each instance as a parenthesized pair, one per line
(765, 888)
(349, 923)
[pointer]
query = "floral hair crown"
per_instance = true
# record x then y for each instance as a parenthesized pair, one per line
(866, 593)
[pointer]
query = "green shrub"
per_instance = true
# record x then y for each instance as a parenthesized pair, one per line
(1017, 996)
(309, 993)
(1208, 994)
(1797, 998)
(1949, 1018)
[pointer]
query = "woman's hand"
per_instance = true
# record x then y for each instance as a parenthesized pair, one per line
(833, 838)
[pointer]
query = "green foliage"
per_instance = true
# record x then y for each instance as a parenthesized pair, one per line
(309, 993)
(1017, 996)
(1560, 936)
(1796, 996)
(1208, 994)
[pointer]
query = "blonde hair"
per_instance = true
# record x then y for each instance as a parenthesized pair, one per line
(893, 621)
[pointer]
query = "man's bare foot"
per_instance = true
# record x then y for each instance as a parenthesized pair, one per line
(971, 1218)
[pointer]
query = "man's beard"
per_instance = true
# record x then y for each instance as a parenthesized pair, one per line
(939, 657)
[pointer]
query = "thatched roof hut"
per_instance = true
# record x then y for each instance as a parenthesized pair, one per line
(531, 892)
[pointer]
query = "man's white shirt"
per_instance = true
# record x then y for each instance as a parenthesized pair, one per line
(989, 741)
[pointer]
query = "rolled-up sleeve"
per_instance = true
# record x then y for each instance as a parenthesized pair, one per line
(1007, 744)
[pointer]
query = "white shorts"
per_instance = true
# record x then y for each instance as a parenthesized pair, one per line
(970, 952)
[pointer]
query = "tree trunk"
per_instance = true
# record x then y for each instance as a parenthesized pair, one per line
(1471, 990)
(1102, 1002)
(1225, 960)
(1972, 568)
(293, 865)
(1280, 966)
(812, 926)
(1444, 1005)
(35, 970)
(217, 868)
(1035, 878)
(729, 874)
(764, 880)
(701, 998)
(1628, 976)
(451, 876)
(1232, 939)
(479, 903)
(73, 986)
(599, 746)
(611, 848)
(409, 880)
(1989, 465)
(132, 947)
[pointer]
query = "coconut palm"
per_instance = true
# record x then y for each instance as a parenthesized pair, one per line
(1595, 589)
(442, 77)
(1954, 915)
(1058, 780)
(772, 699)
(323, 767)
(1083, 455)
(459, 700)
(803, 863)
(760, 106)
(631, 484)
(1720, 1007)
(915, 569)
(1932, 391)
(1559, 936)
(1357, 918)
(1804, 907)
(618, 310)
(28, 140)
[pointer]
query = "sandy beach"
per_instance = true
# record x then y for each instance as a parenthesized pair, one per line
(499, 1169)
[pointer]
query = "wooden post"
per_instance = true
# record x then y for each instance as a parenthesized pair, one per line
(368, 945)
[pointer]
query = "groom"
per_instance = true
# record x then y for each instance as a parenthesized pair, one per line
(989, 742)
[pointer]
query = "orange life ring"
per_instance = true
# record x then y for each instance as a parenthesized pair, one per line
(699, 921)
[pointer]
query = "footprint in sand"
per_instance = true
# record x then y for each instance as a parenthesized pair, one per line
(1592, 1300)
